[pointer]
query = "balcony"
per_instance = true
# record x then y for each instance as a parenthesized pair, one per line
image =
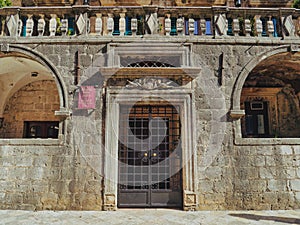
(71, 22)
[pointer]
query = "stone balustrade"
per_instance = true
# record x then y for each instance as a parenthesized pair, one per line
(25, 22)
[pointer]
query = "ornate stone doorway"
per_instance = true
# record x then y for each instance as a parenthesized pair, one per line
(134, 100)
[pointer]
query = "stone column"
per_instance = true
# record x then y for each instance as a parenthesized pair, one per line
(247, 27)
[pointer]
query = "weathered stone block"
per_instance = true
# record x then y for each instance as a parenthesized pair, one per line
(17, 173)
(49, 200)
(35, 173)
(206, 186)
(295, 185)
(267, 173)
(277, 185)
(286, 150)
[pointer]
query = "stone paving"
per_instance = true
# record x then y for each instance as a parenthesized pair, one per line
(149, 216)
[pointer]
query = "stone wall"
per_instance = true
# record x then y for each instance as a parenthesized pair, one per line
(36, 101)
(44, 176)
(69, 175)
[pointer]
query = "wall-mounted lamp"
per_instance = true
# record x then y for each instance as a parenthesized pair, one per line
(238, 3)
(34, 74)
(1, 122)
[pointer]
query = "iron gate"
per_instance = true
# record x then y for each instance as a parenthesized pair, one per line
(149, 156)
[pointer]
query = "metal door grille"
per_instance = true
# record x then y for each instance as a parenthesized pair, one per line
(149, 159)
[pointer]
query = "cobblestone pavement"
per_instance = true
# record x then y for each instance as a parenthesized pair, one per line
(150, 216)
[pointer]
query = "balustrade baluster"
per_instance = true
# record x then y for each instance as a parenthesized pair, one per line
(168, 25)
(179, 26)
(259, 27)
(191, 26)
(134, 26)
(236, 27)
(98, 24)
(52, 25)
(203, 26)
(248, 27)
(41, 25)
(270, 28)
(110, 24)
(64, 27)
(29, 25)
(122, 24)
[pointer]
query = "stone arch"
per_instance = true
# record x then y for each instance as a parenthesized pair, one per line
(238, 86)
(38, 57)
(24, 68)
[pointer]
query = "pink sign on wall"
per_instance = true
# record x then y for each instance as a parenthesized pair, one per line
(87, 97)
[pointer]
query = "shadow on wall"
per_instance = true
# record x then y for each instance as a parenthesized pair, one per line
(286, 220)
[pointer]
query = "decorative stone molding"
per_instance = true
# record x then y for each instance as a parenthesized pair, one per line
(295, 48)
(151, 83)
(190, 200)
(63, 113)
(81, 24)
(12, 24)
(109, 202)
(179, 97)
(237, 114)
(4, 47)
(221, 24)
(288, 25)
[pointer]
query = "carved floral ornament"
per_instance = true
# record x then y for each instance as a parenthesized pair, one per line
(149, 83)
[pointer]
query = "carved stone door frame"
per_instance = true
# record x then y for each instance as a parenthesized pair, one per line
(178, 96)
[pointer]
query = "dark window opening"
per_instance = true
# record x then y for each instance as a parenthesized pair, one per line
(256, 119)
(41, 129)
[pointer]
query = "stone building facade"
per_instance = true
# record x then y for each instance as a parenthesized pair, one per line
(188, 104)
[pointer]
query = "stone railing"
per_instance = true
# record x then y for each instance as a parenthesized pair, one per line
(23, 22)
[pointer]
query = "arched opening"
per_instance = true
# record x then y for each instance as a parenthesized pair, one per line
(270, 98)
(29, 98)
